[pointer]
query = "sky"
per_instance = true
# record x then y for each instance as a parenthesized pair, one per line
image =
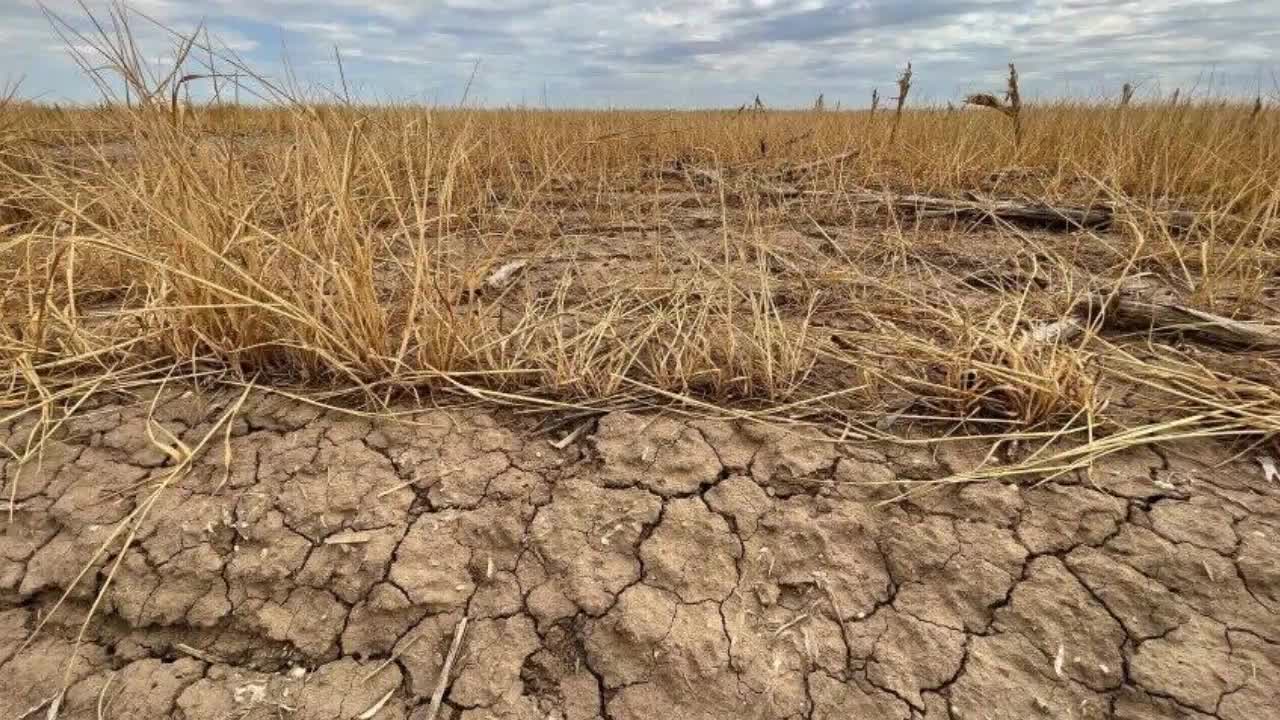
(683, 53)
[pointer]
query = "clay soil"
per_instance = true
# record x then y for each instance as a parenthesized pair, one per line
(317, 565)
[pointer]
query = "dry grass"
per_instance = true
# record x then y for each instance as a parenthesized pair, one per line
(706, 260)
(752, 264)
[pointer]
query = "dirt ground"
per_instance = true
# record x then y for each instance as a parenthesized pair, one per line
(316, 565)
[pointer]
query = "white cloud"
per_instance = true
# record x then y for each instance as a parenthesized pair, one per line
(715, 52)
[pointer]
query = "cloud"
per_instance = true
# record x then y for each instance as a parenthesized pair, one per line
(695, 52)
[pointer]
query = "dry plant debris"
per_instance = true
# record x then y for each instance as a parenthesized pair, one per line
(761, 338)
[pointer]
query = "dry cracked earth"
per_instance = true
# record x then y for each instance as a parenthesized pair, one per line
(653, 568)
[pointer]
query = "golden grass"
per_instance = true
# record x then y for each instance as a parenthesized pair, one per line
(344, 247)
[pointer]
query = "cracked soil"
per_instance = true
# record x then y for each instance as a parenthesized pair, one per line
(317, 566)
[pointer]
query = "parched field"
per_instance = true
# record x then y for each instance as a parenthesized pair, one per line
(330, 411)
(313, 564)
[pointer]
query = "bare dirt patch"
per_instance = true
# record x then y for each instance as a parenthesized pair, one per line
(653, 567)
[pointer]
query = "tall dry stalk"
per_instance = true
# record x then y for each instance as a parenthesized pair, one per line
(1011, 107)
(1014, 97)
(904, 87)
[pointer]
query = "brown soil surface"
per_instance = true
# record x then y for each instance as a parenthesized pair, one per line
(652, 568)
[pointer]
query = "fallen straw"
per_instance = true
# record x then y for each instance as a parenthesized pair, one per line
(443, 681)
